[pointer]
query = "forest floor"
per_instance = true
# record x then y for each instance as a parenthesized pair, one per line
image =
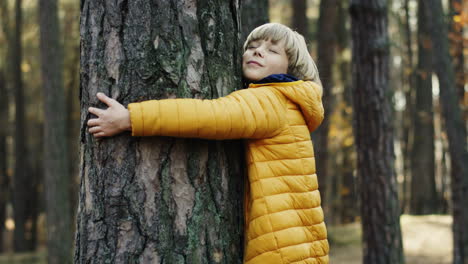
(426, 239)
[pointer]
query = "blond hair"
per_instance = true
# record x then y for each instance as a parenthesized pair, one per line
(301, 64)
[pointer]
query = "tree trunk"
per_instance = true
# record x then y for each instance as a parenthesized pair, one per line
(407, 122)
(424, 198)
(5, 22)
(348, 208)
(374, 133)
(4, 180)
(71, 75)
(21, 183)
(159, 199)
(456, 46)
(299, 17)
(454, 125)
(56, 178)
(326, 58)
(254, 13)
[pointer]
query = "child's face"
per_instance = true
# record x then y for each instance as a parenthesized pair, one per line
(263, 58)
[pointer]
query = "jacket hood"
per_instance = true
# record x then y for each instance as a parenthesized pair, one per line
(307, 95)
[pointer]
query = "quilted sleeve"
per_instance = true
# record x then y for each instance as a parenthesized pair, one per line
(249, 113)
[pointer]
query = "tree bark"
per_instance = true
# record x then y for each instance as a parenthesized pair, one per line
(326, 58)
(299, 17)
(454, 125)
(254, 13)
(56, 163)
(424, 198)
(374, 133)
(4, 180)
(159, 199)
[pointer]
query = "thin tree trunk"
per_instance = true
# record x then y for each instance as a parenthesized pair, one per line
(56, 178)
(21, 183)
(349, 209)
(456, 46)
(299, 17)
(254, 13)
(373, 132)
(71, 75)
(424, 198)
(454, 125)
(407, 122)
(159, 199)
(5, 22)
(35, 176)
(326, 58)
(4, 180)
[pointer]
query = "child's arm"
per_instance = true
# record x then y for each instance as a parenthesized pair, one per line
(249, 113)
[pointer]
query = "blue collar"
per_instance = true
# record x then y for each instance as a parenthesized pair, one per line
(275, 78)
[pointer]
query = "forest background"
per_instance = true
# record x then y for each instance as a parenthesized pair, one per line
(423, 166)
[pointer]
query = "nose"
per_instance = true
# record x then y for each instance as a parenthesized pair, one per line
(259, 51)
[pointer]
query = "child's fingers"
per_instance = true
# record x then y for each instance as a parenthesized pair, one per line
(105, 99)
(99, 134)
(96, 111)
(94, 129)
(93, 122)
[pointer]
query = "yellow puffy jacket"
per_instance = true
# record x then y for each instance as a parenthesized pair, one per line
(284, 219)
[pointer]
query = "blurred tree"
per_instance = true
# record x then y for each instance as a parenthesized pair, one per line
(4, 116)
(299, 17)
(71, 57)
(373, 133)
(5, 26)
(407, 85)
(21, 181)
(424, 198)
(159, 199)
(56, 176)
(4, 180)
(456, 45)
(347, 206)
(455, 127)
(326, 58)
(254, 13)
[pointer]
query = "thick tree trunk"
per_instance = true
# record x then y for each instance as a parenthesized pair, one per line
(326, 58)
(56, 168)
(299, 17)
(21, 183)
(374, 133)
(4, 180)
(159, 199)
(455, 128)
(254, 13)
(424, 198)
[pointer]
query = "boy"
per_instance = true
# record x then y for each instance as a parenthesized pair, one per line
(284, 219)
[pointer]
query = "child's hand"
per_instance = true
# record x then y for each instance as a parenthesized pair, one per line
(111, 121)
